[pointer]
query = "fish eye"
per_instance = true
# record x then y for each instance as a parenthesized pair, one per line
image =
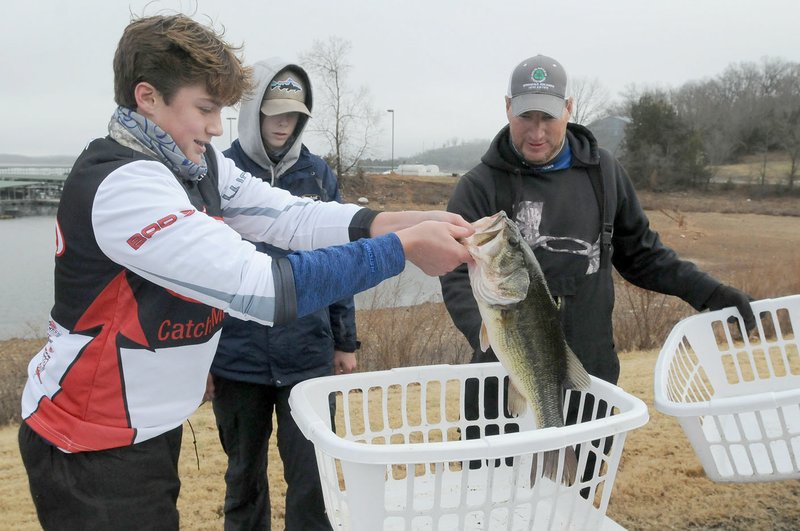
(513, 242)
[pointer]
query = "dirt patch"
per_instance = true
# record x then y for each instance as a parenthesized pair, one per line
(399, 192)
(396, 192)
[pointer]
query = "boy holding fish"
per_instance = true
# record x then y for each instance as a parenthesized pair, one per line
(149, 257)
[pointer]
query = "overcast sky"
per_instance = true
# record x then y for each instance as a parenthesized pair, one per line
(442, 65)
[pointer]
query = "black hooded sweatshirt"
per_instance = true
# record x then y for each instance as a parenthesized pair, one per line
(560, 213)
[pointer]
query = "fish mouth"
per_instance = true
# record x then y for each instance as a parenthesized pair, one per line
(491, 224)
(498, 275)
(486, 230)
(483, 237)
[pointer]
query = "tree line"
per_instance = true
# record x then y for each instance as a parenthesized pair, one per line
(676, 138)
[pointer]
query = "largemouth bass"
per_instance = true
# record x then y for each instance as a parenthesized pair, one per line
(521, 323)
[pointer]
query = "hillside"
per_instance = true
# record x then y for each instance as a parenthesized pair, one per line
(8, 159)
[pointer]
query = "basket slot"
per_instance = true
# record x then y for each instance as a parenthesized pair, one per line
(390, 401)
(353, 426)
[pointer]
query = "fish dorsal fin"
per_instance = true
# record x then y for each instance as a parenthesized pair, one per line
(484, 336)
(516, 401)
(577, 377)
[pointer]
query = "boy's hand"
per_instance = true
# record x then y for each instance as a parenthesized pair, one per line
(344, 362)
(433, 246)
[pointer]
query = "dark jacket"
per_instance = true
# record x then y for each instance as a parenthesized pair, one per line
(560, 215)
(283, 355)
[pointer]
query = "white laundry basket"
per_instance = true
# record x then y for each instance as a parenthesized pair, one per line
(397, 461)
(737, 399)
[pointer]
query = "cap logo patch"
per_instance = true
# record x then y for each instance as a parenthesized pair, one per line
(538, 74)
(288, 84)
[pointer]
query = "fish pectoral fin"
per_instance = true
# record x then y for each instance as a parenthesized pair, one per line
(484, 336)
(577, 377)
(516, 401)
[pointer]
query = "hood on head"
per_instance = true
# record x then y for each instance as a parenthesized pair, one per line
(249, 125)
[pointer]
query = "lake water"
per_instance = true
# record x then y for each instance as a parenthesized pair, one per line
(26, 273)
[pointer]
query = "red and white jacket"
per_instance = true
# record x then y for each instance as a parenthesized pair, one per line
(146, 264)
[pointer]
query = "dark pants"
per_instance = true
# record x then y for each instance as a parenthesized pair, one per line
(133, 487)
(244, 419)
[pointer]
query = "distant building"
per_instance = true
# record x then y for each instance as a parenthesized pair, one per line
(418, 169)
(610, 132)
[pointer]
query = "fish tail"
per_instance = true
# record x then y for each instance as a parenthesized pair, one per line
(551, 460)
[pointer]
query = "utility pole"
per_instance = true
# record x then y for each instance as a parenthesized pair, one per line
(392, 111)
(230, 128)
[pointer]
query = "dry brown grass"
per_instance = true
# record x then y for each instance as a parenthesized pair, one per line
(775, 168)
(660, 485)
(415, 335)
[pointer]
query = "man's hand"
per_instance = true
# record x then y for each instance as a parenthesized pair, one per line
(726, 296)
(387, 222)
(344, 362)
(433, 246)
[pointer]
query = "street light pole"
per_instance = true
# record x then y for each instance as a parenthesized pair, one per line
(230, 127)
(392, 111)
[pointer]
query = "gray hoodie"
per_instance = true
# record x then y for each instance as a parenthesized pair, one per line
(250, 118)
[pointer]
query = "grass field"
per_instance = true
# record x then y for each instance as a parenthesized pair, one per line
(660, 485)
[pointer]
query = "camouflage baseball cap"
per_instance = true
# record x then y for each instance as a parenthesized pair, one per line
(285, 93)
(538, 84)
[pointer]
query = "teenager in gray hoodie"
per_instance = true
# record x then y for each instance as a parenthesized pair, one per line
(256, 367)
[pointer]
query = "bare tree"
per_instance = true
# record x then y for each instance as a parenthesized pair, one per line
(705, 107)
(789, 105)
(591, 100)
(344, 115)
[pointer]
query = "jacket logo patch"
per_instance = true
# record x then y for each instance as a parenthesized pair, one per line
(288, 84)
(529, 218)
(141, 237)
(190, 329)
(60, 245)
(234, 188)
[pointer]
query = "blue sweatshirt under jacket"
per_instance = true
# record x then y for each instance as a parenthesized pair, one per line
(287, 354)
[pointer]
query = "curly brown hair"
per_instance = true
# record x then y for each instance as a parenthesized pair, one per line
(171, 52)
